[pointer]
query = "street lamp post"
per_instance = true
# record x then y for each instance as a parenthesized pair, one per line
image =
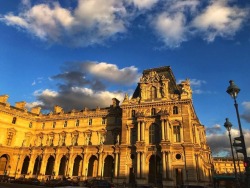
(228, 125)
(233, 91)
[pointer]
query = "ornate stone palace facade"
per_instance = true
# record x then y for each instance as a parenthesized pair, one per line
(152, 137)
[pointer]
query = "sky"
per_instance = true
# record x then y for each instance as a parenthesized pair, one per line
(83, 53)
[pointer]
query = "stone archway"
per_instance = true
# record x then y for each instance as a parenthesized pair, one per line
(37, 166)
(93, 166)
(25, 166)
(108, 167)
(77, 166)
(4, 161)
(63, 165)
(155, 170)
(50, 166)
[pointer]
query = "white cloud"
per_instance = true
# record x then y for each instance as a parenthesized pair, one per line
(33, 104)
(46, 92)
(144, 4)
(195, 82)
(170, 28)
(111, 72)
(219, 19)
(15, 20)
(90, 23)
(219, 141)
(96, 21)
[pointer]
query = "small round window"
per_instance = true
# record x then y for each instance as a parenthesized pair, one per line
(178, 156)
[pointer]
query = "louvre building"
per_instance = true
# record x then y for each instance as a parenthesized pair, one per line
(152, 137)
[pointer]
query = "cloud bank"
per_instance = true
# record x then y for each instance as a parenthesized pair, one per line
(96, 22)
(218, 140)
(86, 84)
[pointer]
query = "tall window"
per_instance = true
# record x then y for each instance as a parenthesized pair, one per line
(54, 125)
(9, 138)
(154, 134)
(103, 121)
(14, 120)
(177, 133)
(43, 125)
(133, 136)
(90, 121)
(175, 110)
(30, 125)
(133, 113)
(65, 124)
(153, 111)
(50, 140)
(77, 122)
(153, 92)
(63, 138)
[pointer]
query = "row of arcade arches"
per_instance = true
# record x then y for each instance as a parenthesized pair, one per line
(91, 171)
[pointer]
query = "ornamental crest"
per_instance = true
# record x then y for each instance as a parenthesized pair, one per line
(151, 77)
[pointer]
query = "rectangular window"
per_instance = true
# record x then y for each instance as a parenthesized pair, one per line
(65, 124)
(50, 140)
(133, 113)
(14, 120)
(30, 125)
(153, 112)
(177, 133)
(63, 137)
(54, 125)
(103, 121)
(133, 136)
(43, 125)
(90, 121)
(9, 138)
(77, 123)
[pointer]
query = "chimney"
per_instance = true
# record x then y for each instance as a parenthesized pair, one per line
(21, 105)
(4, 98)
(36, 110)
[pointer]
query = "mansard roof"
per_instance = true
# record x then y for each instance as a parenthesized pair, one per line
(164, 72)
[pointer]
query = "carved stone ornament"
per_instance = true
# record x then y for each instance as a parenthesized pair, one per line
(151, 77)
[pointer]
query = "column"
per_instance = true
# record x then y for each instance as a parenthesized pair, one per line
(164, 165)
(128, 135)
(163, 129)
(31, 164)
(142, 130)
(139, 131)
(182, 133)
(99, 173)
(138, 165)
(116, 164)
(84, 166)
(169, 168)
(143, 165)
(167, 130)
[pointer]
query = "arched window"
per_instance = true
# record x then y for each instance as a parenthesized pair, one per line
(175, 110)
(153, 92)
(154, 137)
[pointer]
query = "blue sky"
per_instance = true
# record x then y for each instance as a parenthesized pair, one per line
(84, 52)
